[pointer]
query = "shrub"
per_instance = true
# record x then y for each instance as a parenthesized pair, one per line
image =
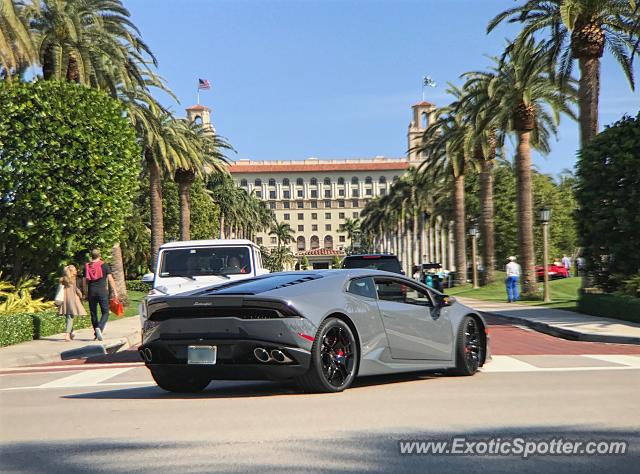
(611, 306)
(631, 286)
(138, 285)
(48, 323)
(17, 298)
(15, 328)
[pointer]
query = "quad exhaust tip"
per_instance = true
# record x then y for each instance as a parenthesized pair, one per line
(276, 355)
(261, 354)
(146, 354)
(279, 356)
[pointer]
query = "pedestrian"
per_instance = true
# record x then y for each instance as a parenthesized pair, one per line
(96, 281)
(69, 299)
(580, 264)
(513, 276)
(566, 263)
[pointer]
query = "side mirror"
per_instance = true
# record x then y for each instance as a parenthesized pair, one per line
(447, 300)
(148, 278)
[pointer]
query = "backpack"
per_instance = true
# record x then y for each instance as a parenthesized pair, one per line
(93, 271)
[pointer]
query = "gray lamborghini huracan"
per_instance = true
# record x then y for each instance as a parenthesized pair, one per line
(321, 327)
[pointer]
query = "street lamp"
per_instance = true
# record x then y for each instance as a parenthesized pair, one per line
(473, 232)
(545, 217)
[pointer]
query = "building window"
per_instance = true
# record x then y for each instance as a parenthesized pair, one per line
(341, 203)
(257, 182)
(382, 180)
(300, 242)
(315, 242)
(355, 215)
(314, 227)
(272, 205)
(327, 227)
(314, 181)
(328, 242)
(327, 215)
(355, 203)
(285, 204)
(259, 240)
(314, 216)
(355, 192)
(340, 192)
(327, 193)
(340, 180)
(287, 217)
(327, 181)
(327, 204)
(299, 182)
(300, 216)
(300, 193)
(342, 238)
(274, 240)
(259, 194)
(300, 204)
(272, 182)
(341, 215)
(300, 228)
(286, 194)
(272, 194)
(355, 180)
(244, 183)
(395, 179)
(285, 182)
(314, 194)
(369, 192)
(368, 180)
(383, 192)
(314, 204)
(341, 227)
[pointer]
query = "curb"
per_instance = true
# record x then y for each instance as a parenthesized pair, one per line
(569, 334)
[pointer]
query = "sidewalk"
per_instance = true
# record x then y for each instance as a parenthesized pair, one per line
(119, 335)
(560, 323)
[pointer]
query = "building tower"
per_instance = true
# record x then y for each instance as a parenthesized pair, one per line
(423, 116)
(200, 114)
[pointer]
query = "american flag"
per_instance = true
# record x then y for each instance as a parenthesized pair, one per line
(203, 84)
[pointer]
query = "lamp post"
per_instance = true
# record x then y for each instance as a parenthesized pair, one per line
(473, 232)
(545, 217)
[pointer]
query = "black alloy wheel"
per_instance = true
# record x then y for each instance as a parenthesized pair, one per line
(469, 347)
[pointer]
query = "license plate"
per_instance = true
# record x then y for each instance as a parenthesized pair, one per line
(201, 355)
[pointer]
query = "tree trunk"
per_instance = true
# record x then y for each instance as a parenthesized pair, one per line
(588, 94)
(459, 231)
(155, 199)
(221, 225)
(415, 244)
(525, 214)
(185, 209)
(117, 268)
(486, 203)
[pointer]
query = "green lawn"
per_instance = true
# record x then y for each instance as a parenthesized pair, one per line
(135, 297)
(564, 293)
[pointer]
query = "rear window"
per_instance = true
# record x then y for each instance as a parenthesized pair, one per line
(203, 261)
(387, 263)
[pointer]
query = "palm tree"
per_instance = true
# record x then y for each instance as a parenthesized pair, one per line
(283, 232)
(351, 227)
(582, 30)
(527, 99)
(16, 46)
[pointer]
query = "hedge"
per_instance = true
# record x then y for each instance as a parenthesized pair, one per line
(21, 327)
(138, 285)
(622, 307)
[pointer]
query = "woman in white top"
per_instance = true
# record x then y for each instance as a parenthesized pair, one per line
(71, 302)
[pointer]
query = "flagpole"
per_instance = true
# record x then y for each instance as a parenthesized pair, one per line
(198, 92)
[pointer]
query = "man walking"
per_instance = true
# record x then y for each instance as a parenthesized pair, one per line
(566, 263)
(513, 275)
(96, 281)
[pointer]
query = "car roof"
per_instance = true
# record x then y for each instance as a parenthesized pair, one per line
(360, 255)
(207, 243)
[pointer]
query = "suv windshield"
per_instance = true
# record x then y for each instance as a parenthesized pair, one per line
(202, 261)
(388, 263)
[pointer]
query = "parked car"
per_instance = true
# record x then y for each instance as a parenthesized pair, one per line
(554, 271)
(191, 264)
(377, 261)
(321, 328)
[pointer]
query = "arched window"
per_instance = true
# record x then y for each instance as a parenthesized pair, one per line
(285, 182)
(314, 181)
(424, 119)
(257, 182)
(368, 180)
(395, 178)
(272, 182)
(197, 120)
(340, 180)
(355, 180)
(315, 242)
(382, 180)
(299, 182)
(244, 183)
(327, 181)
(301, 243)
(328, 242)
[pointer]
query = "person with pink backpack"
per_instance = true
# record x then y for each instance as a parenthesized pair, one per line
(96, 281)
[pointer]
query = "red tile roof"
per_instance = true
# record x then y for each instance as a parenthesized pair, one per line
(424, 102)
(198, 107)
(321, 252)
(289, 168)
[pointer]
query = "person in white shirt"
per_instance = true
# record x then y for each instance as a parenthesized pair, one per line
(513, 276)
(566, 263)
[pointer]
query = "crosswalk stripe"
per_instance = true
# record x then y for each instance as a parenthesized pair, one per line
(630, 360)
(511, 364)
(86, 378)
(507, 364)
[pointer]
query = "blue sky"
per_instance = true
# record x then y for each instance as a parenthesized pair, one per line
(334, 78)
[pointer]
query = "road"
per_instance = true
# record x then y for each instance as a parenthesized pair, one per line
(108, 416)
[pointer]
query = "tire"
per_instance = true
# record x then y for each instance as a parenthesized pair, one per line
(179, 381)
(334, 359)
(469, 347)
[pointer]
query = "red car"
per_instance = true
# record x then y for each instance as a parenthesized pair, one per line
(554, 271)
